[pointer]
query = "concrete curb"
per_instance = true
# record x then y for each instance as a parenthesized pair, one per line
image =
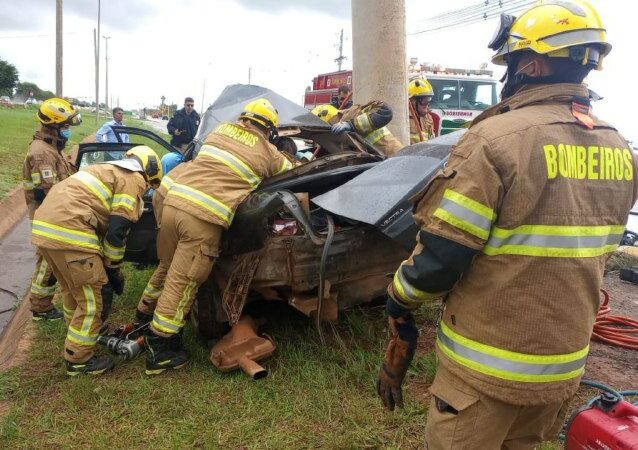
(16, 337)
(12, 208)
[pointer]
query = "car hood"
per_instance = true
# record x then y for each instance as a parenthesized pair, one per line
(381, 195)
(233, 98)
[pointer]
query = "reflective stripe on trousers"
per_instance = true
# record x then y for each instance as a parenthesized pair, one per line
(508, 365)
(83, 336)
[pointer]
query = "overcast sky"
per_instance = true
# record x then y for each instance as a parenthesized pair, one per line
(196, 47)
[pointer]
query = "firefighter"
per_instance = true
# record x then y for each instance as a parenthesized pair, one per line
(422, 120)
(368, 120)
(198, 207)
(81, 230)
(146, 305)
(515, 232)
(43, 167)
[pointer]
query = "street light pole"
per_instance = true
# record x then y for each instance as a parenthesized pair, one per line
(106, 80)
(96, 44)
(58, 48)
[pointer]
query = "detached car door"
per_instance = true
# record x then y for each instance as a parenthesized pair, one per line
(141, 241)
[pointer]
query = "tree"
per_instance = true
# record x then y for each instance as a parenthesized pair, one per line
(23, 90)
(8, 77)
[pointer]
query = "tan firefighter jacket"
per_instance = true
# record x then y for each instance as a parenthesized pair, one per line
(43, 167)
(427, 129)
(544, 200)
(77, 213)
(370, 122)
(234, 159)
(165, 185)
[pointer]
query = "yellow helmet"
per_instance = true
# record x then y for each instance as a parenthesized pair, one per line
(420, 87)
(262, 112)
(149, 161)
(566, 29)
(57, 111)
(325, 112)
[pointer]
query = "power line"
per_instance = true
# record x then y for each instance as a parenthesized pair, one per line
(515, 6)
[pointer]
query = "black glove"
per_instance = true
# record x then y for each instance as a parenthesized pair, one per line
(116, 279)
(38, 195)
(398, 357)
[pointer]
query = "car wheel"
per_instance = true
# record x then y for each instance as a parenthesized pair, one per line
(629, 239)
(203, 312)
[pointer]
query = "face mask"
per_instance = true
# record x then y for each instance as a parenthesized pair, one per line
(65, 133)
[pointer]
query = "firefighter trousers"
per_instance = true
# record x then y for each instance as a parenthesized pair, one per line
(154, 288)
(460, 417)
(81, 277)
(42, 285)
(188, 246)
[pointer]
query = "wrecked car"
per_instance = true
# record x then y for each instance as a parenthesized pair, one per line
(323, 237)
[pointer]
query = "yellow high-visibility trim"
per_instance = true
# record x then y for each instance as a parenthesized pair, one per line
(474, 206)
(560, 230)
(91, 306)
(99, 189)
(506, 375)
(239, 167)
(410, 295)
(204, 200)
(186, 295)
(362, 123)
(528, 250)
(285, 165)
(461, 224)
(166, 325)
(27, 185)
(66, 235)
(152, 292)
(113, 253)
(377, 135)
(36, 178)
(512, 356)
(124, 201)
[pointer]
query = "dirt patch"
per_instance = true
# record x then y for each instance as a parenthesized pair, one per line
(17, 338)
(12, 208)
(616, 366)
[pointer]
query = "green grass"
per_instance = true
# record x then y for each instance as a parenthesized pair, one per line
(18, 126)
(314, 396)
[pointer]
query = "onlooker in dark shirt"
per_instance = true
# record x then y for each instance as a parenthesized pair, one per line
(343, 100)
(183, 125)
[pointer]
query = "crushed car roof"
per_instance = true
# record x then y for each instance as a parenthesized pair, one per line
(233, 98)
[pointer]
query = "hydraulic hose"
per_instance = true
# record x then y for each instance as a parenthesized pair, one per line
(322, 275)
(615, 330)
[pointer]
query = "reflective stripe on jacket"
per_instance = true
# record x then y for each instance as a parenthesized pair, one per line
(75, 214)
(544, 201)
(43, 167)
(234, 159)
(370, 122)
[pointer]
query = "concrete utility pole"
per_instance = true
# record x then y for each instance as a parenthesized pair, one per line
(379, 59)
(96, 44)
(339, 60)
(106, 79)
(58, 48)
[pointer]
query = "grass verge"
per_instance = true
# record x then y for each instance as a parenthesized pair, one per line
(18, 126)
(314, 396)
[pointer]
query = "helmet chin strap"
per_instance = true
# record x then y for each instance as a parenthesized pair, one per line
(513, 81)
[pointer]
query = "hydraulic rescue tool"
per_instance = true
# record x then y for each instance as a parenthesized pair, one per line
(607, 421)
(125, 341)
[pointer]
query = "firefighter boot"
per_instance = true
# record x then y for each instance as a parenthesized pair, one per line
(97, 365)
(52, 314)
(163, 353)
(140, 321)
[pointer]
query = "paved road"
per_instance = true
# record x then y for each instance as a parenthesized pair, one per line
(158, 125)
(17, 257)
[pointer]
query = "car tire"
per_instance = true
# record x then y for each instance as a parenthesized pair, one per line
(629, 239)
(204, 314)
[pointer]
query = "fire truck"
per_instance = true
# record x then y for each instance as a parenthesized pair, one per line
(459, 94)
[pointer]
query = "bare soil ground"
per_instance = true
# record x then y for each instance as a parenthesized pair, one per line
(616, 366)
